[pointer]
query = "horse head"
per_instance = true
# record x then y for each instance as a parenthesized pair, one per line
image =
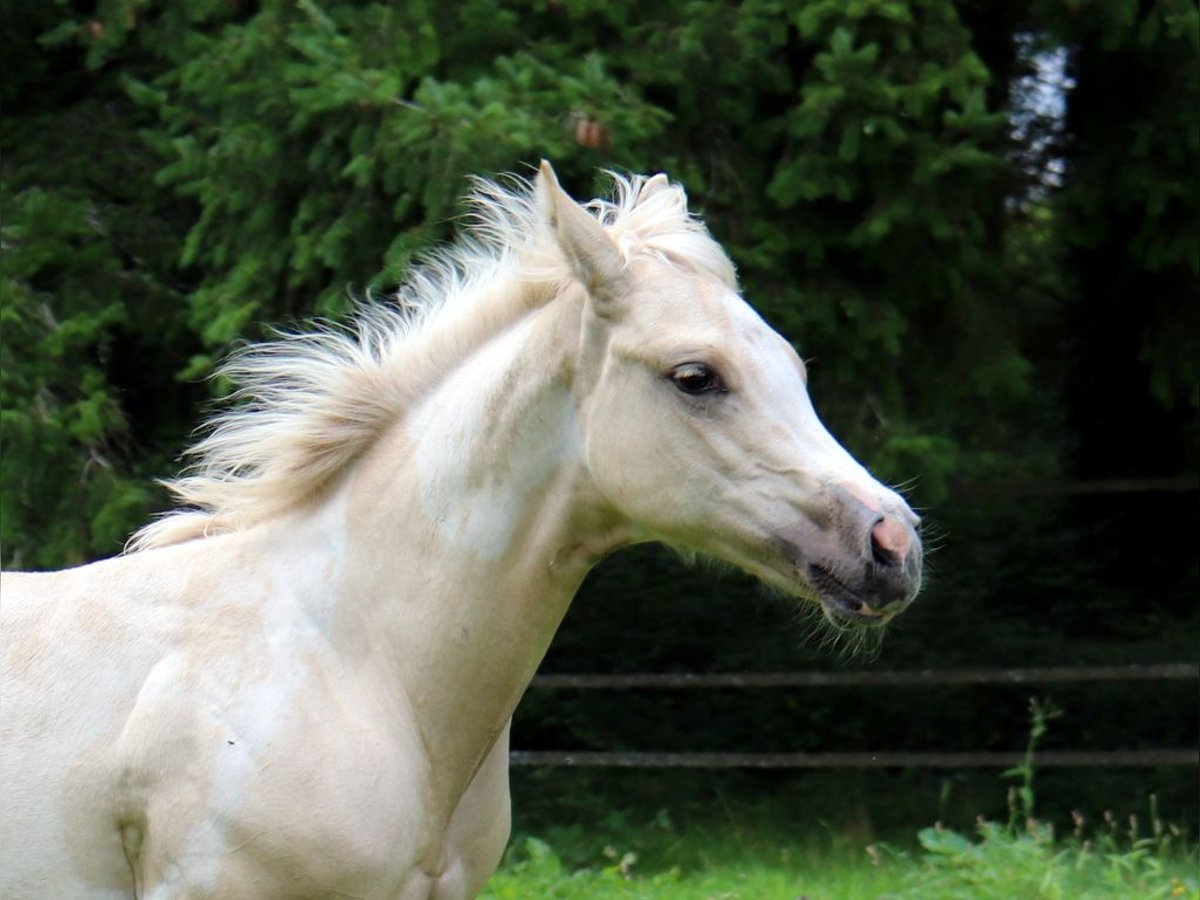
(698, 429)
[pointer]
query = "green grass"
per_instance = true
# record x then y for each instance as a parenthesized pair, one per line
(723, 854)
(1025, 863)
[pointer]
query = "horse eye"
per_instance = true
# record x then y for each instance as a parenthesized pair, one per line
(697, 378)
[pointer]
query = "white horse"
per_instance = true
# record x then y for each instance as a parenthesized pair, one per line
(301, 684)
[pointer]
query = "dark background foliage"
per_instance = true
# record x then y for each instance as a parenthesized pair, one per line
(977, 219)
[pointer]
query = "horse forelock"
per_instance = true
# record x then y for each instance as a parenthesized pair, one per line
(308, 404)
(660, 224)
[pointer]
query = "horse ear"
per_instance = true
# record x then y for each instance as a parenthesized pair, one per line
(594, 256)
(651, 186)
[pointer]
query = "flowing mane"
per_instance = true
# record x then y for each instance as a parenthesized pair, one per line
(310, 403)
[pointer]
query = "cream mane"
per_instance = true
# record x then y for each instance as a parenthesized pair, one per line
(310, 403)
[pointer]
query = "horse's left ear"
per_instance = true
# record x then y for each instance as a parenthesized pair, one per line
(594, 256)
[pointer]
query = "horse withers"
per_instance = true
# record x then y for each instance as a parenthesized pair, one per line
(300, 684)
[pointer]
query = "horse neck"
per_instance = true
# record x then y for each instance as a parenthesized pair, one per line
(470, 527)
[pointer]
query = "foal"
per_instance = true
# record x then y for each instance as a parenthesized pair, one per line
(300, 685)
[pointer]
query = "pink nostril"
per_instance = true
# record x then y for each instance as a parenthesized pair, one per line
(890, 541)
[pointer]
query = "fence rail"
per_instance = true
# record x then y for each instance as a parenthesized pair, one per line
(1096, 486)
(1002, 760)
(970, 760)
(1048, 675)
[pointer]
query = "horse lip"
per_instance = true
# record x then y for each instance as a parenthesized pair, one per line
(841, 603)
(786, 570)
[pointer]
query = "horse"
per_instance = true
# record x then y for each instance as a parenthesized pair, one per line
(300, 682)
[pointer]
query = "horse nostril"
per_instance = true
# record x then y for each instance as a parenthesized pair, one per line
(890, 542)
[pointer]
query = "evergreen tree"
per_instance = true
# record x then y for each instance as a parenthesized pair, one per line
(1130, 224)
(180, 176)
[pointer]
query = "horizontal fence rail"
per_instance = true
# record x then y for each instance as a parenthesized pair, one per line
(970, 760)
(1049, 758)
(1174, 485)
(1049, 675)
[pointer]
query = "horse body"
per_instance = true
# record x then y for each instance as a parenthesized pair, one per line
(312, 698)
(228, 737)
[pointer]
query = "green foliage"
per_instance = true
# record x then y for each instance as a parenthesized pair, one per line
(1023, 858)
(795, 842)
(1032, 864)
(325, 145)
(62, 427)
(997, 865)
(857, 160)
(287, 155)
(765, 855)
(88, 327)
(1129, 222)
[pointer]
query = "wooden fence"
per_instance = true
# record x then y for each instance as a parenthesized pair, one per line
(1044, 759)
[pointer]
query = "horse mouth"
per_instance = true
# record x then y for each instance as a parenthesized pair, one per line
(873, 605)
(841, 604)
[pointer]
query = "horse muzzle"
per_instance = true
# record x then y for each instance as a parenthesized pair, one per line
(862, 563)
